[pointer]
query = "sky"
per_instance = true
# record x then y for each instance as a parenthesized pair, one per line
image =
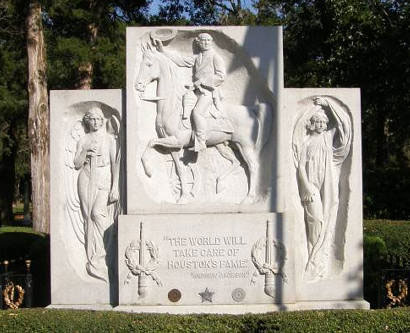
(154, 7)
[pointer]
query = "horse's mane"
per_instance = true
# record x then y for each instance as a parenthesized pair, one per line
(171, 68)
(176, 84)
(174, 74)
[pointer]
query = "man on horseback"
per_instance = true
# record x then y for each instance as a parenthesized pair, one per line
(208, 76)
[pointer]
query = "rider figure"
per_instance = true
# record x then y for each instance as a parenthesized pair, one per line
(208, 76)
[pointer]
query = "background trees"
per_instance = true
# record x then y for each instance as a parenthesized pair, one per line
(345, 43)
(14, 161)
(86, 41)
(365, 44)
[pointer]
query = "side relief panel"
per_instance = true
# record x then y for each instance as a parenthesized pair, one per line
(321, 143)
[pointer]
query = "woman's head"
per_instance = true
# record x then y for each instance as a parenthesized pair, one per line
(318, 122)
(94, 118)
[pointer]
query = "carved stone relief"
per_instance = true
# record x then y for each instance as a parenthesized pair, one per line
(140, 265)
(91, 178)
(215, 143)
(269, 258)
(206, 295)
(321, 143)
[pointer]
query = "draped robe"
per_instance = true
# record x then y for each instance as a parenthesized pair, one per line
(322, 156)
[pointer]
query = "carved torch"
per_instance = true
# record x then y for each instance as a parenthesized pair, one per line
(143, 278)
(269, 276)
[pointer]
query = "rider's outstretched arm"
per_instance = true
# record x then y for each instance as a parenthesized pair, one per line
(179, 60)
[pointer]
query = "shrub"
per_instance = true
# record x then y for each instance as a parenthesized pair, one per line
(396, 235)
(386, 246)
(40, 320)
(18, 244)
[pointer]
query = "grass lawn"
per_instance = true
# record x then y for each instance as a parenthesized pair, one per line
(9, 228)
(44, 320)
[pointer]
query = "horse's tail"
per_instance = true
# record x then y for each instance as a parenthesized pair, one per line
(263, 112)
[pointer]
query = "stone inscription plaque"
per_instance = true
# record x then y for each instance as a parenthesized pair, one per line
(213, 259)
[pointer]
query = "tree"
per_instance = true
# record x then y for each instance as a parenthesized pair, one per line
(171, 12)
(358, 43)
(84, 23)
(13, 103)
(206, 12)
(38, 118)
(87, 41)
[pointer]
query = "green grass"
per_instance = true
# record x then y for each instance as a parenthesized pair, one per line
(27, 230)
(42, 320)
(18, 207)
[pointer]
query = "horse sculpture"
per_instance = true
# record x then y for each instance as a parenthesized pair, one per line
(252, 124)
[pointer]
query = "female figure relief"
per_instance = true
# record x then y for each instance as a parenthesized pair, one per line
(319, 163)
(98, 161)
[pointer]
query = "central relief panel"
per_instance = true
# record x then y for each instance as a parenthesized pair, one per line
(203, 110)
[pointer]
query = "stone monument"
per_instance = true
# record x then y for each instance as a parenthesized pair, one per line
(224, 193)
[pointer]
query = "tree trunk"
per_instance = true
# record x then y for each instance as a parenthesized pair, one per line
(86, 70)
(38, 119)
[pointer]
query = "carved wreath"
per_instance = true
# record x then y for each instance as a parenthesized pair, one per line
(8, 295)
(132, 261)
(275, 267)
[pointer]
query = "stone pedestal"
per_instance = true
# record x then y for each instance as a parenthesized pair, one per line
(202, 259)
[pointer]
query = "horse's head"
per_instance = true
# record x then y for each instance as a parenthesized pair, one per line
(148, 72)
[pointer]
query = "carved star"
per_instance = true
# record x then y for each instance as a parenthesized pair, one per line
(206, 295)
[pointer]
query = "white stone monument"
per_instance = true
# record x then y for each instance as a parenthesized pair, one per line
(86, 141)
(238, 195)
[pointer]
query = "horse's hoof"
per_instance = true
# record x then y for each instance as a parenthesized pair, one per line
(148, 172)
(185, 198)
(147, 169)
(249, 199)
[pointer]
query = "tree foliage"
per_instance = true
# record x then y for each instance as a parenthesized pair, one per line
(206, 12)
(13, 105)
(344, 43)
(89, 32)
(365, 44)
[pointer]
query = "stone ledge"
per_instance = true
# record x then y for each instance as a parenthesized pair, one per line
(93, 307)
(242, 309)
(220, 309)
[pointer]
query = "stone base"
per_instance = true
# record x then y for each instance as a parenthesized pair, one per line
(333, 305)
(93, 307)
(222, 309)
(242, 309)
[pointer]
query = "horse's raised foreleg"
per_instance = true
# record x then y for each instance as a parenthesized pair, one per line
(249, 156)
(227, 153)
(185, 192)
(168, 142)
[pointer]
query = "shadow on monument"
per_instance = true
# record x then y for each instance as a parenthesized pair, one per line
(111, 248)
(269, 65)
(357, 292)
